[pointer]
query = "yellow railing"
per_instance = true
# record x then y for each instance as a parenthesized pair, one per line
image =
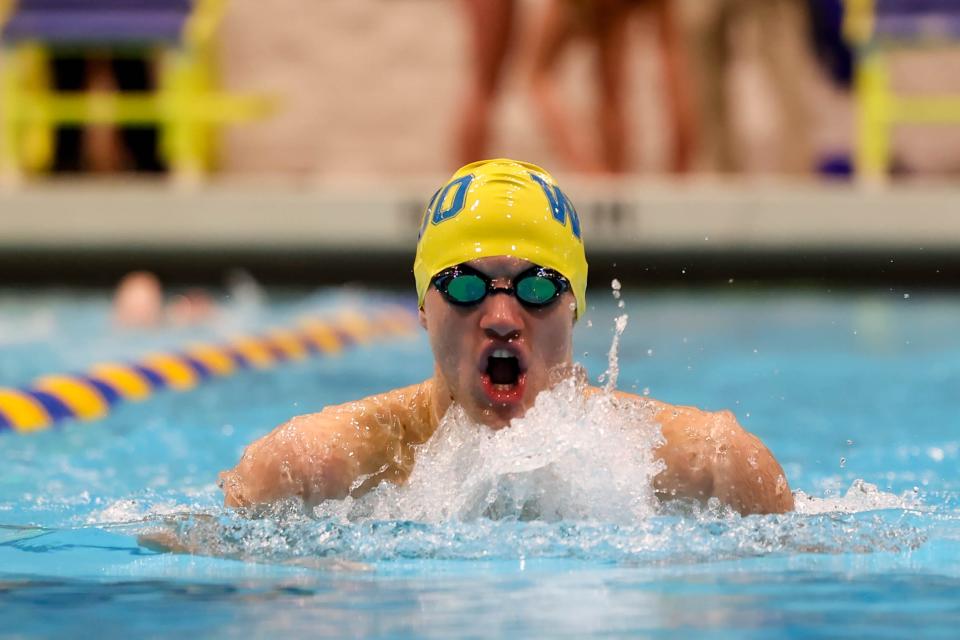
(188, 107)
(879, 108)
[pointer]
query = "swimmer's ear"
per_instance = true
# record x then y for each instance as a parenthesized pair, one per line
(423, 318)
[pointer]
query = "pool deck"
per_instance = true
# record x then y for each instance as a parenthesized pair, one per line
(63, 231)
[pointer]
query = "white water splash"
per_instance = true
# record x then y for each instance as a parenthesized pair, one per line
(861, 496)
(132, 510)
(576, 455)
(613, 360)
(609, 377)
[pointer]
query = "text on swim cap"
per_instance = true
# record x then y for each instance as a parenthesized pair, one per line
(439, 209)
(441, 212)
(560, 204)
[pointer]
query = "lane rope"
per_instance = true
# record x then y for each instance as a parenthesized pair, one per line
(91, 395)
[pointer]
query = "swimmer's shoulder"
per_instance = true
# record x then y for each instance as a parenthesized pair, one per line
(411, 407)
(677, 419)
(407, 411)
(694, 421)
(694, 433)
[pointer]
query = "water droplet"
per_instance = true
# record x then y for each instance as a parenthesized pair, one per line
(649, 352)
(843, 462)
(589, 323)
(906, 296)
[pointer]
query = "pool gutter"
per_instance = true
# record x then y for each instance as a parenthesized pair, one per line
(669, 233)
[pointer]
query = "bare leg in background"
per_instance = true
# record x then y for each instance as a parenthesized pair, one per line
(491, 27)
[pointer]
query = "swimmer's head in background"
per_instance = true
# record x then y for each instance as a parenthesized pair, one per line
(501, 208)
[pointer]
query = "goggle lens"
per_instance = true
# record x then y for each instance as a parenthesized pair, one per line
(536, 289)
(466, 288)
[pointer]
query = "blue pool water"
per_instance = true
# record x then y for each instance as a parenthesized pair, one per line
(854, 392)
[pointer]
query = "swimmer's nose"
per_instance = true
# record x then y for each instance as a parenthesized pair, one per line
(501, 316)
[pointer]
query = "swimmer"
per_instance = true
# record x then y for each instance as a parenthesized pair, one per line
(139, 303)
(501, 278)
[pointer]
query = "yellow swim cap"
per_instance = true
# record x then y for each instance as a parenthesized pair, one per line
(501, 208)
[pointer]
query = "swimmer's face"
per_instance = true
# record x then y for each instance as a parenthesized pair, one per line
(496, 356)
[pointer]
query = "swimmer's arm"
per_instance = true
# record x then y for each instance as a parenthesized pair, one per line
(323, 455)
(708, 454)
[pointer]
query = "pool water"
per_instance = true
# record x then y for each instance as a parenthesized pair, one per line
(854, 392)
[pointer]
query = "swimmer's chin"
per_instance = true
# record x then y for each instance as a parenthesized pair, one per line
(493, 416)
(497, 420)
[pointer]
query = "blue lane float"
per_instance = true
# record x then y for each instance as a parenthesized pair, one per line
(91, 395)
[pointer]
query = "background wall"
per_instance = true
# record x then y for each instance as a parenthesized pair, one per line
(373, 87)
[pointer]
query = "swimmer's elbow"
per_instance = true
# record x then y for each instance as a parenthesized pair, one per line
(267, 471)
(764, 500)
(300, 459)
(229, 483)
(757, 484)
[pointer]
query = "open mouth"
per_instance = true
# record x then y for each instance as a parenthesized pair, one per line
(503, 376)
(503, 367)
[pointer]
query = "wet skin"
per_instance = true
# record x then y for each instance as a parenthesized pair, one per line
(350, 448)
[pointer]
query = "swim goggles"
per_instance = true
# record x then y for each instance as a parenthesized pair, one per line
(535, 288)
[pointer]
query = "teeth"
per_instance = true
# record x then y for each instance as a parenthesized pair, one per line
(502, 353)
